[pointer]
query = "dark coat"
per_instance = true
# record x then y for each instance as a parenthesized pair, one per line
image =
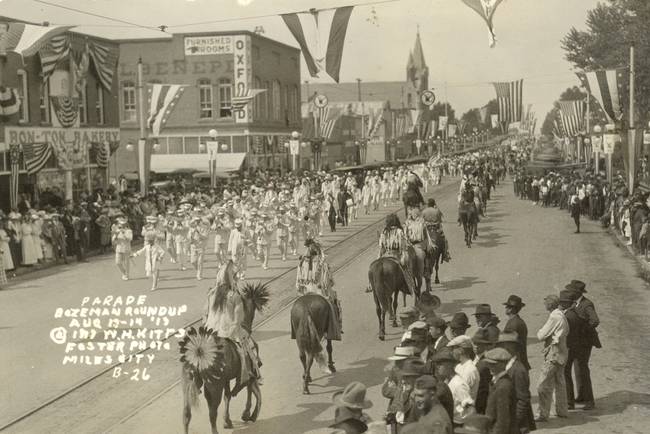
(516, 324)
(436, 421)
(587, 312)
(485, 379)
(443, 393)
(575, 339)
(501, 407)
(521, 381)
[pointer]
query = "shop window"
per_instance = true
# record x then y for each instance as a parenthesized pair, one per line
(128, 102)
(191, 145)
(44, 102)
(23, 95)
(259, 102)
(205, 99)
(175, 145)
(225, 98)
(99, 105)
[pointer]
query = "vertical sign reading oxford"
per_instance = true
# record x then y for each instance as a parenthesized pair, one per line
(243, 75)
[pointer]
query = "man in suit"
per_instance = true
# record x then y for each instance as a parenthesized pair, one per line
(521, 381)
(501, 406)
(482, 344)
(487, 320)
(586, 311)
(513, 305)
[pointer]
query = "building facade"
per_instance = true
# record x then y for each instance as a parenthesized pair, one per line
(72, 109)
(214, 68)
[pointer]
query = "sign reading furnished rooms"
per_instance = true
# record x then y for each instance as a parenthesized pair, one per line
(61, 136)
(208, 45)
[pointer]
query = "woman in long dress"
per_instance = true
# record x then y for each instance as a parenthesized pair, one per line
(37, 229)
(7, 261)
(30, 256)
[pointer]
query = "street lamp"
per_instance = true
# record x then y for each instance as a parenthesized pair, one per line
(129, 146)
(294, 149)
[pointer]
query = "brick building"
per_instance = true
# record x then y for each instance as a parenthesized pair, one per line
(91, 118)
(213, 66)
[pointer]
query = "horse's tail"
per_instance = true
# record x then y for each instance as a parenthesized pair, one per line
(190, 389)
(307, 335)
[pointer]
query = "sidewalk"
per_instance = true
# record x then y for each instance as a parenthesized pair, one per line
(644, 266)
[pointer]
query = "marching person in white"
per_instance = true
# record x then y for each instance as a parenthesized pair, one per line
(237, 248)
(282, 232)
(221, 227)
(198, 233)
(170, 245)
(180, 231)
(153, 255)
(264, 231)
(121, 238)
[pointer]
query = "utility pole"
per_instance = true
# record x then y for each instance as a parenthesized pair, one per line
(631, 136)
(142, 143)
(363, 124)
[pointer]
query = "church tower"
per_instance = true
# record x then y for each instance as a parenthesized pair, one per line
(417, 71)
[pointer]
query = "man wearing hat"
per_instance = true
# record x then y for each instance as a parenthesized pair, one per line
(346, 422)
(237, 248)
(431, 417)
(198, 235)
(463, 351)
(458, 325)
(427, 304)
(121, 238)
(553, 334)
(400, 404)
(180, 231)
(391, 382)
(515, 324)
(352, 401)
(437, 327)
(482, 344)
(487, 320)
(521, 381)
(501, 406)
(460, 391)
(221, 226)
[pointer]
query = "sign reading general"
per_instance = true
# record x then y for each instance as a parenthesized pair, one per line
(208, 45)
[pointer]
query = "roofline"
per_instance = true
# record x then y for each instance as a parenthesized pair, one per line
(222, 33)
(17, 20)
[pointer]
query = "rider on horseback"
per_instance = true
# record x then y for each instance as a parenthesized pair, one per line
(225, 316)
(393, 243)
(433, 220)
(314, 276)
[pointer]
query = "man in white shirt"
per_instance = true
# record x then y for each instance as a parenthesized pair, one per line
(463, 352)
(463, 402)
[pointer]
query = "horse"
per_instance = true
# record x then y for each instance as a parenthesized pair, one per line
(412, 197)
(468, 217)
(211, 362)
(310, 318)
(434, 254)
(386, 280)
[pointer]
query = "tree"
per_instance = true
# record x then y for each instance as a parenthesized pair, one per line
(472, 119)
(612, 28)
(438, 109)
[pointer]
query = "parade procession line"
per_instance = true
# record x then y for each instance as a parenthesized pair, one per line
(342, 251)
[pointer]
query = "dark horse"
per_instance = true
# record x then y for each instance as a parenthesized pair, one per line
(434, 254)
(386, 280)
(468, 217)
(412, 197)
(310, 318)
(211, 363)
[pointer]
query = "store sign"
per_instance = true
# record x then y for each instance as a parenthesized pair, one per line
(609, 142)
(243, 76)
(208, 45)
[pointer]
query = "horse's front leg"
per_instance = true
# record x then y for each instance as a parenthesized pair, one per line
(437, 265)
(307, 379)
(246, 415)
(258, 400)
(393, 305)
(380, 315)
(227, 423)
(330, 361)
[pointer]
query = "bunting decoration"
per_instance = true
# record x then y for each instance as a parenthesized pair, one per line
(451, 130)
(104, 59)
(328, 117)
(240, 101)
(572, 115)
(162, 98)
(461, 126)
(607, 87)
(415, 118)
(483, 112)
(509, 97)
(375, 127)
(28, 39)
(53, 52)
(9, 101)
(102, 153)
(557, 131)
(486, 9)
(14, 179)
(80, 69)
(36, 156)
(66, 109)
(321, 36)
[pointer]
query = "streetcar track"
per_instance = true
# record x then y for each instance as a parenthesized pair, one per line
(49, 402)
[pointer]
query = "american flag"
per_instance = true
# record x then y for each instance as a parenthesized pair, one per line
(608, 87)
(14, 154)
(509, 97)
(572, 116)
(328, 117)
(36, 156)
(56, 49)
(240, 101)
(162, 98)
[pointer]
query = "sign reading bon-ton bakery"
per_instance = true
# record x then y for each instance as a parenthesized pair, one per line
(60, 136)
(208, 45)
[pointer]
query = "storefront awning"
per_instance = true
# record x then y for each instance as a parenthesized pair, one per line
(168, 163)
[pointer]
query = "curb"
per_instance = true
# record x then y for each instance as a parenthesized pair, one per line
(640, 259)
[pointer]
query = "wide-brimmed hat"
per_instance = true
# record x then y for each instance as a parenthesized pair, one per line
(428, 302)
(514, 301)
(569, 295)
(483, 309)
(459, 321)
(418, 325)
(435, 321)
(412, 367)
(14, 216)
(353, 396)
(347, 421)
(577, 285)
(402, 353)
(443, 355)
(481, 337)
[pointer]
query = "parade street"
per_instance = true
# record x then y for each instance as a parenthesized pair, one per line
(522, 249)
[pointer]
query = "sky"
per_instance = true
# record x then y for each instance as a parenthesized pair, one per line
(454, 38)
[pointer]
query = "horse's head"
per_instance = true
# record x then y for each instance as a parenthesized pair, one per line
(255, 297)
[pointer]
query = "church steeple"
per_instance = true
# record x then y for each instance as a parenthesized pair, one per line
(417, 71)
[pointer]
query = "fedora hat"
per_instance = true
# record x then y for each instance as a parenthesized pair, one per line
(428, 302)
(402, 353)
(459, 321)
(514, 301)
(412, 367)
(483, 309)
(481, 337)
(444, 355)
(353, 396)
(346, 420)
(577, 285)
(569, 295)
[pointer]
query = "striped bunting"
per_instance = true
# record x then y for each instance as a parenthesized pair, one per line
(607, 87)
(102, 153)
(162, 98)
(36, 156)
(321, 36)
(572, 115)
(28, 39)
(239, 102)
(105, 60)
(14, 179)
(509, 97)
(66, 110)
(9, 101)
(53, 52)
(328, 117)
(375, 127)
